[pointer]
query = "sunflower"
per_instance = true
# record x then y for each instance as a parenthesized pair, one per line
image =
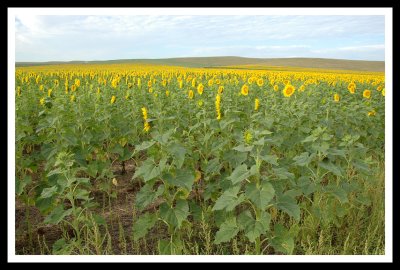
(367, 93)
(256, 104)
(191, 94)
(260, 82)
(218, 106)
(288, 90)
(276, 88)
(200, 103)
(220, 89)
(383, 92)
(49, 92)
(200, 89)
(248, 136)
(302, 88)
(113, 98)
(19, 91)
(372, 113)
(72, 98)
(245, 90)
(42, 101)
(351, 87)
(167, 93)
(379, 88)
(336, 97)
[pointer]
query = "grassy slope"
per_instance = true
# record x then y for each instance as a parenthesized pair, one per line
(234, 61)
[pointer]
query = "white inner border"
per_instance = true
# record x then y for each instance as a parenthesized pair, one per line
(387, 12)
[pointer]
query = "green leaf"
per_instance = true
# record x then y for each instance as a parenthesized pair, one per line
(254, 228)
(21, 184)
(229, 199)
(213, 166)
(283, 241)
(175, 216)
(57, 215)
(48, 192)
(243, 148)
(289, 205)
(142, 225)
(303, 159)
(146, 195)
(183, 178)
(55, 171)
(328, 165)
(235, 158)
(338, 193)
(227, 231)
(178, 152)
(144, 145)
(260, 196)
(148, 170)
(310, 138)
(271, 159)
(241, 173)
(283, 173)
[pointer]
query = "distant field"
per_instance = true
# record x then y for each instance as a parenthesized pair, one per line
(320, 63)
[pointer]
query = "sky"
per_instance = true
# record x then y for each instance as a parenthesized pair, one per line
(97, 37)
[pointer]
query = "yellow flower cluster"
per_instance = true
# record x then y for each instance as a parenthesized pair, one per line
(146, 124)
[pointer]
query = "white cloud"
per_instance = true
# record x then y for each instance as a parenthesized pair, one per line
(169, 36)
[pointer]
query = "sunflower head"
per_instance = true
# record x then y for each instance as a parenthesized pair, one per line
(367, 93)
(336, 97)
(245, 90)
(288, 90)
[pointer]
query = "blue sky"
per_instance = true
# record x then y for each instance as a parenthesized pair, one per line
(66, 38)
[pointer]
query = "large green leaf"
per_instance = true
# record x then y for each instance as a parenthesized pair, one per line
(328, 165)
(178, 152)
(48, 192)
(254, 228)
(243, 148)
(271, 159)
(303, 159)
(289, 205)
(57, 215)
(174, 216)
(282, 241)
(241, 173)
(144, 145)
(229, 199)
(227, 231)
(213, 166)
(142, 225)
(261, 195)
(183, 178)
(148, 170)
(147, 195)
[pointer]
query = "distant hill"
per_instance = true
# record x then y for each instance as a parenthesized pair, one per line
(322, 63)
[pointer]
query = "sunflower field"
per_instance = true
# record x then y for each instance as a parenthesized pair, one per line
(146, 159)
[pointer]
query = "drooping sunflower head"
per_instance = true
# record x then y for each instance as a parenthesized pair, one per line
(200, 89)
(191, 94)
(220, 89)
(256, 104)
(288, 90)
